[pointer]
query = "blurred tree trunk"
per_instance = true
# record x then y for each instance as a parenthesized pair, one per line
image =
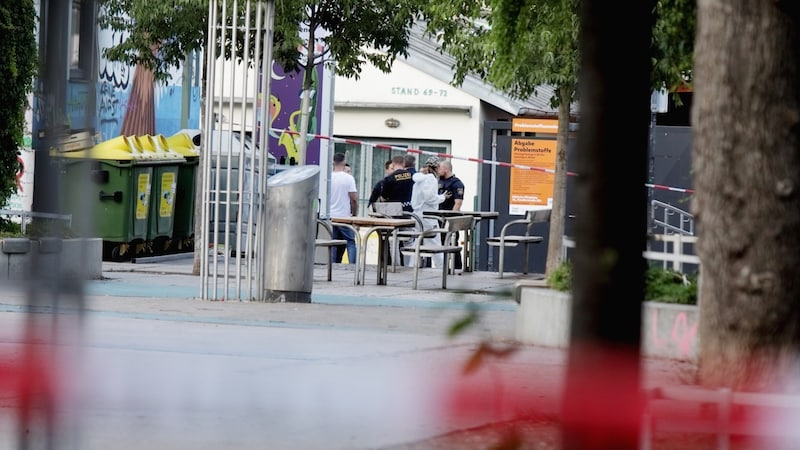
(140, 114)
(555, 243)
(602, 407)
(746, 167)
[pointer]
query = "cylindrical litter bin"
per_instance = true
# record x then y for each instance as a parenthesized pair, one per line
(290, 233)
(183, 226)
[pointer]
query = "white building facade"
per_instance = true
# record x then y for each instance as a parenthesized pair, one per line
(416, 106)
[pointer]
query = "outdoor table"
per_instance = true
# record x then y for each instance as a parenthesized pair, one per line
(469, 255)
(384, 227)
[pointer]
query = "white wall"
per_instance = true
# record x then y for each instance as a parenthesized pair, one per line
(401, 94)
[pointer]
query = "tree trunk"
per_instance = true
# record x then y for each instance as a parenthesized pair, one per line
(557, 217)
(746, 167)
(308, 81)
(140, 114)
(602, 407)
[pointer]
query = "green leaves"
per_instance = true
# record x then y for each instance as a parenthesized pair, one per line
(352, 29)
(18, 62)
(673, 43)
(661, 285)
(158, 34)
(471, 318)
(518, 45)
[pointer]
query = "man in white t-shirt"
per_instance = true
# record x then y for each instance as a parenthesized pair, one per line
(344, 203)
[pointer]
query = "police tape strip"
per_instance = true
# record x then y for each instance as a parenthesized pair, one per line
(462, 158)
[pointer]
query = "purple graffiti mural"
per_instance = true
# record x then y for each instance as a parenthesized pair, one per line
(286, 95)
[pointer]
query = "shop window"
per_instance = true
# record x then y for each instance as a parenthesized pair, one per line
(80, 39)
(368, 161)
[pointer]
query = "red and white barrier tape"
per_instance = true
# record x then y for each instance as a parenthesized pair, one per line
(462, 158)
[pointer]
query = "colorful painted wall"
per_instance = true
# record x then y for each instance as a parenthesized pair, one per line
(286, 95)
(113, 89)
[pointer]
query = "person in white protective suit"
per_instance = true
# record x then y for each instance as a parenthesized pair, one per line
(425, 197)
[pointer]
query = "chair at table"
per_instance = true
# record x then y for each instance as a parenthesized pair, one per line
(452, 225)
(506, 239)
(328, 243)
(403, 235)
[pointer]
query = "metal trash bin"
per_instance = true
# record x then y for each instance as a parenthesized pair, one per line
(162, 196)
(290, 234)
(183, 226)
(117, 175)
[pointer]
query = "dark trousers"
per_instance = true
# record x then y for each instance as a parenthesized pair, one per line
(456, 256)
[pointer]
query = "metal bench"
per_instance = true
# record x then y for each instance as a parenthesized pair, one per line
(506, 239)
(328, 243)
(450, 230)
(395, 210)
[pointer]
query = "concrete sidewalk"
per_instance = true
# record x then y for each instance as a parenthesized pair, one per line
(360, 367)
(175, 280)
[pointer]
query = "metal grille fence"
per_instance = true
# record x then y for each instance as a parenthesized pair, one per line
(234, 165)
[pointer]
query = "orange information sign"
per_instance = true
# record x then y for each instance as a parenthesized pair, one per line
(526, 125)
(531, 189)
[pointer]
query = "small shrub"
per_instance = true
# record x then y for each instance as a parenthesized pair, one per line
(38, 228)
(561, 278)
(9, 228)
(669, 286)
(661, 285)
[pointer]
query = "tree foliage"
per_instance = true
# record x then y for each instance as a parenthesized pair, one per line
(346, 33)
(17, 69)
(520, 45)
(356, 32)
(673, 44)
(174, 27)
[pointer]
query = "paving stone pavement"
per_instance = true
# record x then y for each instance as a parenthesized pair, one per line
(360, 367)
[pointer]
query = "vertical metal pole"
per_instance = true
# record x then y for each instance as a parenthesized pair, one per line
(209, 290)
(651, 167)
(186, 87)
(492, 202)
(266, 75)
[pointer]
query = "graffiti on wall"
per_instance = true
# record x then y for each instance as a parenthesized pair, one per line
(680, 336)
(22, 199)
(285, 109)
(114, 82)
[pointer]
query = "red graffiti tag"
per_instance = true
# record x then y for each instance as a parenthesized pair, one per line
(19, 173)
(683, 334)
(657, 342)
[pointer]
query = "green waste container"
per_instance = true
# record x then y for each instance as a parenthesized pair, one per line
(110, 184)
(165, 180)
(185, 194)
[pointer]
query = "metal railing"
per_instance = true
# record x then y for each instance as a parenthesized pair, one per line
(727, 417)
(677, 250)
(668, 219)
(27, 216)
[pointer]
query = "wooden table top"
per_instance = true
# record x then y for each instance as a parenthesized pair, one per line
(375, 221)
(449, 213)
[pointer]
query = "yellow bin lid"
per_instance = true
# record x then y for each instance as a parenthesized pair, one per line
(120, 148)
(156, 148)
(181, 143)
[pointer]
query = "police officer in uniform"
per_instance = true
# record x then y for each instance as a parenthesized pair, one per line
(398, 185)
(453, 188)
